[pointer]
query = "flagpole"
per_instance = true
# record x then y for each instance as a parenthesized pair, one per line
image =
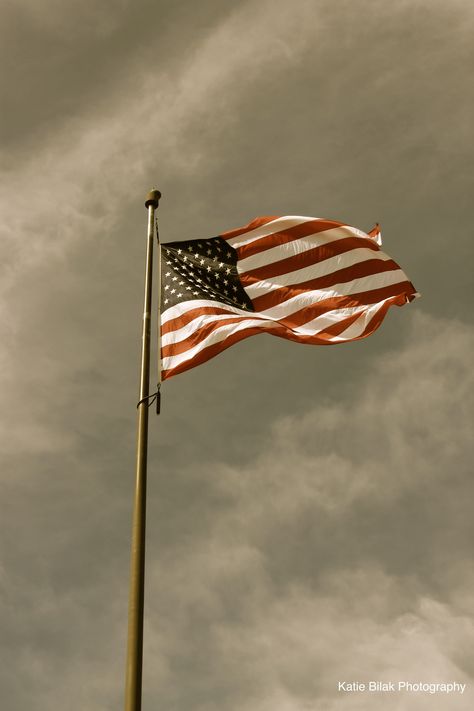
(133, 686)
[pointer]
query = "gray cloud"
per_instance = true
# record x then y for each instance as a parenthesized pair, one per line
(308, 508)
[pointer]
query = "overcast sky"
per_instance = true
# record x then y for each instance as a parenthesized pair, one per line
(310, 509)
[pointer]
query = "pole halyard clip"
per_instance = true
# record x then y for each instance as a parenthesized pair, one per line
(150, 399)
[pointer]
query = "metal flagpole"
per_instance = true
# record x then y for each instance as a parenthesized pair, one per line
(133, 687)
(158, 328)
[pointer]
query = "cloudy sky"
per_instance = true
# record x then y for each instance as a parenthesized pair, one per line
(310, 509)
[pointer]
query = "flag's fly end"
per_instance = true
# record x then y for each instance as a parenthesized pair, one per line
(376, 233)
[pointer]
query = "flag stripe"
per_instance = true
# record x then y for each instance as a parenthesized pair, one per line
(187, 310)
(263, 228)
(360, 325)
(374, 317)
(254, 225)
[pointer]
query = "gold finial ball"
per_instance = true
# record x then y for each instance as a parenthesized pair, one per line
(153, 198)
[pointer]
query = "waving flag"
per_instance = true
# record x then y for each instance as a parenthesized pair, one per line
(302, 278)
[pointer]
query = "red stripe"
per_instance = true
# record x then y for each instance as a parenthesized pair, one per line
(194, 338)
(257, 222)
(341, 276)
(290, 234)
(376, 320)
(306, 259)
(188, 316)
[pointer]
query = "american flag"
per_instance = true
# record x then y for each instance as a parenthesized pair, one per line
(302, 278)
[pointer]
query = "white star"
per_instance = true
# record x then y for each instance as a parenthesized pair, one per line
(178, 295)
(168, 274)
(214, 259)
(234, 288)
(195, 293)
(175, 278)
(188, 288)
(208, 268)
(166, 301)
(229, 254)
(201, 261)
(209, 251)
(167, 287)
(173, 291)
(228, 270)
(179, 251)
(225, 282)
(190, 249)
(196, 255)
(185, 259)
(221, 264)
(181, 283)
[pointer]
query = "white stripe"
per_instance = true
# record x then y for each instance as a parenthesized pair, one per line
(281, 223)
(358, 327)
(355, 329)
(185, 306)
(181, 334)
(328, 319)
(314, 271)
(298, 246)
